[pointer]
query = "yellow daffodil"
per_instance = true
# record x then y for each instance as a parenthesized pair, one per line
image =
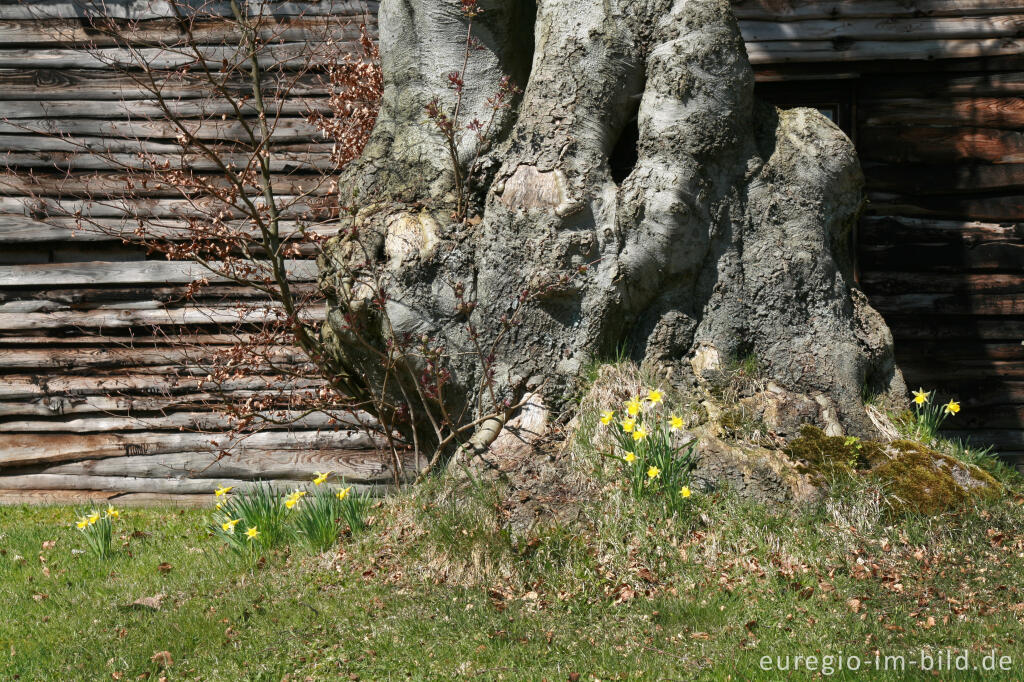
(220, 492)
(675, 423)
(654, 396)
(920, 396)
(113, 513)
(320, 477)
(343, 493)
(684, 492)
(94, 517)
(633, 407)
(639, 434)
(606, 417)
(628, 425)
(252, 533)
(82, 522)
(653, 472)
(630, 457)
(219, 505)
(952, 407)
(291, 502)
(229, 525)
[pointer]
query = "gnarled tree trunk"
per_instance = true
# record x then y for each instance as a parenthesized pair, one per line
(637, 193)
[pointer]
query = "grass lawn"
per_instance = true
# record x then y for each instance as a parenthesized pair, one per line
(437, 590)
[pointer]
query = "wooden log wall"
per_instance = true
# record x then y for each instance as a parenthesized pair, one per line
(932, 93)
(100, 392)
(94, 404)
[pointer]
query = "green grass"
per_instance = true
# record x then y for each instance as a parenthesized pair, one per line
(437, 589)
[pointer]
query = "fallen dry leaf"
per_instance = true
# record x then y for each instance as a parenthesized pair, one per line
(164, 567)
(162, 658)
(150, 602)
(49, 544)
(854, 604)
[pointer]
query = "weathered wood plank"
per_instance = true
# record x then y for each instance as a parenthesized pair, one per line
(361, 465)
(18, 450)
(341, 28)
(63, 497)
(910, 144)
(295, 55)
(110, 86)
(980, 112)
(314, 208)
(20, 229)
(935, 178)
(27, 134)
(74, 360)
(101, 159)
(126, 484)
(952, 304)
(158, 9)
(24, 388)
(36, 109)
(63, 406)
(955, 329)
(994, 208)
(114, 186)
(145, 272)
(893, 283)
(882, 28)
(890, 229)
(1001, 439)
(792, 10)
(795, 51)
(942, 257)
(198, 422)
(125, 318)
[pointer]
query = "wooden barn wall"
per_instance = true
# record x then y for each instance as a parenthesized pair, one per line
(932, 93)
(94, 403)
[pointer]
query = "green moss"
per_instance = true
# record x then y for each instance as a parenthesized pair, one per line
(817, 453)
(916, 479)
(923, 481)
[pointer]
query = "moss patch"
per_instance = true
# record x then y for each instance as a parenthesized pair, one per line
(916, 479)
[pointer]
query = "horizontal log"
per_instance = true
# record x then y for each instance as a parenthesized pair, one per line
(290, 206)
(21, 134)
(893, 229)
(935, 145)
(24, 388)
(935, 178)
(197, 422)
(955, 258)
(33, 109)
(64, 406)
(19, 450)
(972, 328)
(894, 283)
(878, 88)
(74, 360)
(953, 304)
(982, 370)
(145, 272)
(295, 55)
(882, 28)
(162, 486)
(795, 51)
(25, 230)
(991, 208)
(356, 466)
(100, 160)
(980, 112)
(124, 319)
(25, 83)
(160, 9)
(791, 10)
(1000, 439)
(118, 186)
(342, 29)
(65, 497)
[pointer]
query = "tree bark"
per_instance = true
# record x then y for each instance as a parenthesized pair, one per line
(636, 196)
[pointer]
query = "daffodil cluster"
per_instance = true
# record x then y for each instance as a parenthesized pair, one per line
(97, 527)
(649, 445)
(929, 415)
(260, 517)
